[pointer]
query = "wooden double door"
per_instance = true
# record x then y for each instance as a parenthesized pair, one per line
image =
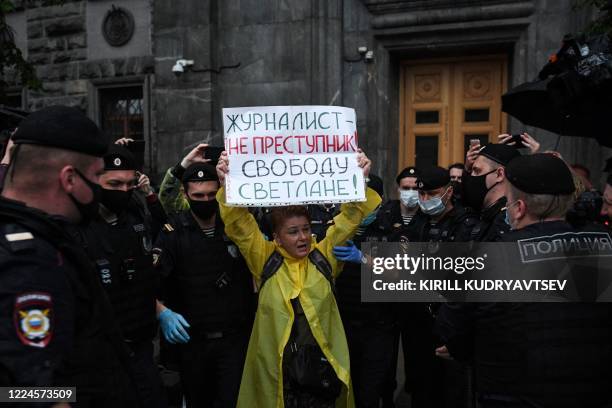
(445, 103)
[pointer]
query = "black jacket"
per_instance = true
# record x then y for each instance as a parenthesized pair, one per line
(550, 354)
(56, 324)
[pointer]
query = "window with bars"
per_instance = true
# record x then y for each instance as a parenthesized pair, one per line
(122, 112)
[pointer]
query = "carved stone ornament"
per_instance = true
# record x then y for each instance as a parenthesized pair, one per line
(118, 26)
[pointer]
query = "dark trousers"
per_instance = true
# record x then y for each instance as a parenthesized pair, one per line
(433, 382)
(151, 392)
(211, 369)
(390, 385)
(370, 349)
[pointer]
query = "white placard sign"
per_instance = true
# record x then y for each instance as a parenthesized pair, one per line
(282, 155)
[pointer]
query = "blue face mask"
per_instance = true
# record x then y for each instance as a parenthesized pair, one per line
(434, 206)
(369, 219)
(507, 216)
(410, 198)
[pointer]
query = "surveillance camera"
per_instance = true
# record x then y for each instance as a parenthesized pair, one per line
(362, 50)
(369, 56)
(180, 65)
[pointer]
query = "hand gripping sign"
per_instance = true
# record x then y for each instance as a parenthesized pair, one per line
(283, 155)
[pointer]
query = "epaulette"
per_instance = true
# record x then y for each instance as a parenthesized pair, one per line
(17, 238)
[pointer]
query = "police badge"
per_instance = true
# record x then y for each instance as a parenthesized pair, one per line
(33, 318)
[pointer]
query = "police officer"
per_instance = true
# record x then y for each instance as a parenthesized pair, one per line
(120, 241)
(208, 309)
(483, 191)
(56, 324)
(446, 223)
(401, 220)
(403, 214)
(535, 354)
(370, 327)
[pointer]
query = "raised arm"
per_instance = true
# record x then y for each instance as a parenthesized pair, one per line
(241, 227)
(350, 216)
(170, 193)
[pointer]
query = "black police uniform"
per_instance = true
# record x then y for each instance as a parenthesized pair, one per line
(391, 221)
(370, 328)
(535, 354)
(394, 229)
(57, 325)
(207, 281)
(492, 225)
(434, 382)
(429, 373)
(121, 247)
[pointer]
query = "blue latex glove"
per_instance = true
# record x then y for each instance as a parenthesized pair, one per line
(349, 253)
(173, 327)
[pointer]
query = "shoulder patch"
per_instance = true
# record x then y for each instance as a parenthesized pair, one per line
(33, 318)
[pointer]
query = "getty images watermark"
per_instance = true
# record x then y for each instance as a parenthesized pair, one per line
(555, 268)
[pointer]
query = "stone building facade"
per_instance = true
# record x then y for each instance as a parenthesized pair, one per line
(432, 78)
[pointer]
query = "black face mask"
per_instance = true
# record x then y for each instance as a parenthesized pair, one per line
(475, 189)
(88, 210)
(204, 209)
(116, 200)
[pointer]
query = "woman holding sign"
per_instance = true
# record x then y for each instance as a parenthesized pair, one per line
(297, 355)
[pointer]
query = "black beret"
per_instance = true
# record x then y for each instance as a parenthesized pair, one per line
(119, 158)
(64, 128)
(540, 173)
(433, 177)
(376, 184)
(499, 153)
(407, 172)
(200, 172)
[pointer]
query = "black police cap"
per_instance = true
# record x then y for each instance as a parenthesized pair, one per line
(376, 184)
(540, 173)
(119, 158)
(499, 153)
(64, 128)
(409, 171)
(432, 177)
(200, 172)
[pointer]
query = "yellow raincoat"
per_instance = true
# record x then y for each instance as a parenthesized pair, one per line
(262, 380)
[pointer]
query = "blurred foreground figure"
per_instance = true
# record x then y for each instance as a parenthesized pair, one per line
(535, 354)
(56, 323)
